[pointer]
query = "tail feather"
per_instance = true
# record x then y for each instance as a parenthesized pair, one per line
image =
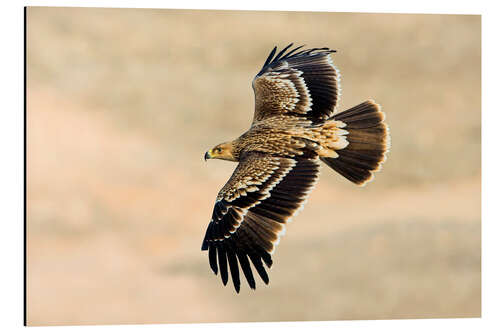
(369, 141)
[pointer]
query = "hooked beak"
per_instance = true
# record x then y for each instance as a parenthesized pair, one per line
(207, 155)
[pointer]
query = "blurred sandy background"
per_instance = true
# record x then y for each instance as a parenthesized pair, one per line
(122, 105)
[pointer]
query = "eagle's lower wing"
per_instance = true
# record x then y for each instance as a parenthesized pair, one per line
(251, 210)
(302, 84)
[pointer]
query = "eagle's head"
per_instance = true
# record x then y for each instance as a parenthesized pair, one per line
(223, 151)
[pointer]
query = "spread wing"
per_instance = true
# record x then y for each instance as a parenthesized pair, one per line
(299, 83)
(251, 211)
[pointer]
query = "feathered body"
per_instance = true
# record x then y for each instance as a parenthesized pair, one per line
(282, 136)
(295, 126)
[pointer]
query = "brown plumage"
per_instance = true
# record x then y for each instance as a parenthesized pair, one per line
(295, 126)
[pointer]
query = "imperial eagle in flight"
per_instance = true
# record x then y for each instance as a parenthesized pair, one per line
(295, 127)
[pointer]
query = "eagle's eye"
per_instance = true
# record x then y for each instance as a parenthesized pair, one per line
(218, 149)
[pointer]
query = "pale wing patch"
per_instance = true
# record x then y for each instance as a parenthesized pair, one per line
(281, 92)
(248, 177)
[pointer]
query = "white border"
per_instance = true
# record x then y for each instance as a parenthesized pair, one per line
(12, 167)
(425, 6)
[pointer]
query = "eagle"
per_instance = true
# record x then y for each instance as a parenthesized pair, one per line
(295, 127)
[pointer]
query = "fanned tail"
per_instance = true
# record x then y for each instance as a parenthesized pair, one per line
(369, 141)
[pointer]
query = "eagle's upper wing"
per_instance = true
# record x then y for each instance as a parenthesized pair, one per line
(251, 210)
(303, 84)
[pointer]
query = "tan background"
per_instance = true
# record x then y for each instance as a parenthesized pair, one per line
(122, 105)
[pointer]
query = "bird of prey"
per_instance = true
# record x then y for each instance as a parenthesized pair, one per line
(295, 127)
